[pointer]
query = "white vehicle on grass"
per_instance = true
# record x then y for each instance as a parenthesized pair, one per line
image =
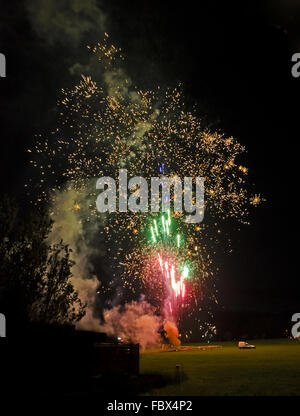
(244, 345)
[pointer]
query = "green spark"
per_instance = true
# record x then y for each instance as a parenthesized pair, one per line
(155, 226)
(153, 235)
(163, 223)
(185, 272)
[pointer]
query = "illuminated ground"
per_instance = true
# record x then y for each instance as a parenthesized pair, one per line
(273, 368)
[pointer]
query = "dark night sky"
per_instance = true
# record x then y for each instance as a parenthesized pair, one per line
(234, 59)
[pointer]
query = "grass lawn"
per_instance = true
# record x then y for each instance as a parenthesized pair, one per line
(273, 368)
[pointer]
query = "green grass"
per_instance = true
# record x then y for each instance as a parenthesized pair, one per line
(273, 368)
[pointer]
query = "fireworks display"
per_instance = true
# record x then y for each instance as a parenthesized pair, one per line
(107, 124)
(173, 275)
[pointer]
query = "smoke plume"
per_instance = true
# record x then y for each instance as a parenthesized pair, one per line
(135, 322)
(68, 227)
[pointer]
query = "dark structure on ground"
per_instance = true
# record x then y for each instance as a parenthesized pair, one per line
(50, 360)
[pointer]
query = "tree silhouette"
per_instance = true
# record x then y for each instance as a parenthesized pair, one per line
(34, 275)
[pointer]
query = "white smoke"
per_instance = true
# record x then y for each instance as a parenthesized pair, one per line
(135, 322)
(68, 227)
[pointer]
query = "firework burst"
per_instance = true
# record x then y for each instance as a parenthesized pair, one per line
(107, 125)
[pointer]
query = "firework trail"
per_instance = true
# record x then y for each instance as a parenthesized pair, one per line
(107, 124)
